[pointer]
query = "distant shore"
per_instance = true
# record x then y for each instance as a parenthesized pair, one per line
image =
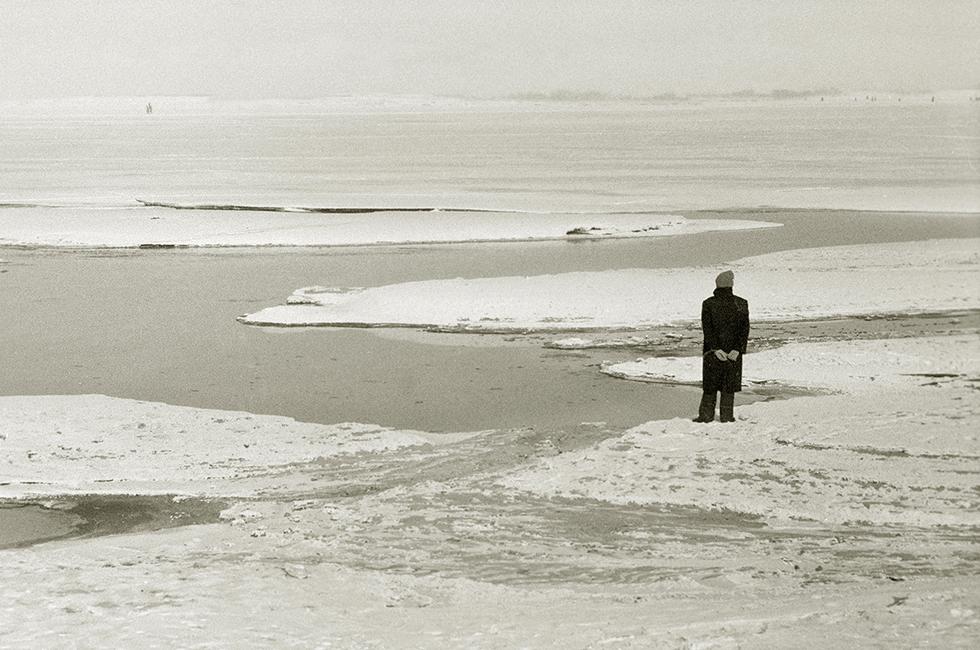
(164, 106)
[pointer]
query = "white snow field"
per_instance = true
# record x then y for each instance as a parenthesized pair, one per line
(897, 445)
(131, 227)
(908, 277)
(848, 517)
(88, 444)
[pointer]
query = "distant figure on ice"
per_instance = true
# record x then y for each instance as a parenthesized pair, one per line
(725, 324)
(149, 108)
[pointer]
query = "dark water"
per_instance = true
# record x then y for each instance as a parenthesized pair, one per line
(23, 522)
(160, 326)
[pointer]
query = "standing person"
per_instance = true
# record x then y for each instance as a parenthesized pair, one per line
(725, 324)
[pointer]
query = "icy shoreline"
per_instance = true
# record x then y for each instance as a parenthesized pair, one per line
(909, 277)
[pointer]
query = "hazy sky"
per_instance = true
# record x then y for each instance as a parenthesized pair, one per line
(304, 48)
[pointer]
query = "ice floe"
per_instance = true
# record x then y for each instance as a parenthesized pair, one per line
(98, 444)
(162, 226)
(906, 277)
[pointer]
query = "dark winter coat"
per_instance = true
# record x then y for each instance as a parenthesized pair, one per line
(725, 324)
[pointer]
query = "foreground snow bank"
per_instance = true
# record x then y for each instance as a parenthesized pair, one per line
(131, 227)
(796, 284)
(898, 449)
(219, 588)
(98, 444)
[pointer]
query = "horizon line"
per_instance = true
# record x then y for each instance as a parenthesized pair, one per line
(559, 94)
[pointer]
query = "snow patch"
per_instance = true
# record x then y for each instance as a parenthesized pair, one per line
(898, 448)
(571, 343)
(99, 444)
(852, 365)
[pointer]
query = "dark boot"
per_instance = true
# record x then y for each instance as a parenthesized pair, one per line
(706, 410)
(727, 407)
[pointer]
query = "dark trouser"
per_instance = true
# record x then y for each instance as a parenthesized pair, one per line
(706, 410)
(727, 410)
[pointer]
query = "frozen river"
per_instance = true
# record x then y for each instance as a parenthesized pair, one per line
(160, 326)
(498, 492)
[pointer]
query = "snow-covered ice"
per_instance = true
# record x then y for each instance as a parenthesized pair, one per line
(856, 366)
(84, 444)
(206, 587)
(907, 277)
(131, 227)
(897, 445)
